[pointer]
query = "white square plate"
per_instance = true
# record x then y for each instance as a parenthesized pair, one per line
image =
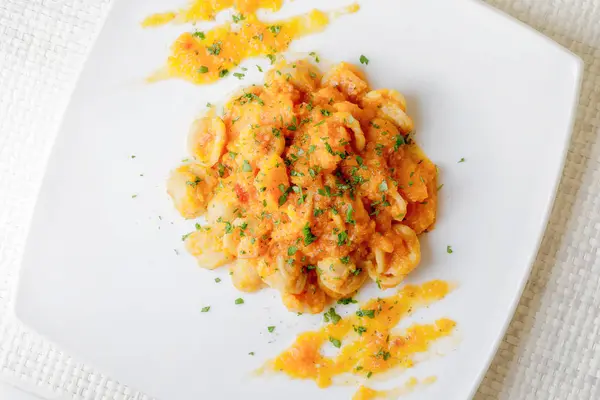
(101, 278)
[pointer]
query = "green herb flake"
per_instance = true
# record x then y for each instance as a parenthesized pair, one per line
(271, 328)
(308, 235)
(332, 316)
(246, 167)
(462, 160)
(275, 29)
(292, 250)
(214, 49)
(199, 34)
(218, 280)
(205, 309)
(203, 69)
(239, 300)
(364, 60)
(366, 313)
(346, 301)
(223, 73)
(342, 238)
(239, 75)
(359, 329)
(383, 187)
(449, 250)
(335, 342)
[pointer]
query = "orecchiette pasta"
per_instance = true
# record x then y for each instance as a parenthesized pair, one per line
(309, 185)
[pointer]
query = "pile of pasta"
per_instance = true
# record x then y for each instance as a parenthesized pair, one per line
(309, 184)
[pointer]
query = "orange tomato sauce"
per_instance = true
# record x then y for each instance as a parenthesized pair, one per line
(367, 344)
(205, 57)
(206, 10)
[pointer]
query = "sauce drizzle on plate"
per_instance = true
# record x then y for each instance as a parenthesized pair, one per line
(367, 345)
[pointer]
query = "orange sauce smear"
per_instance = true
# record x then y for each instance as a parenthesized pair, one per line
(205, 10)
(205, 57)
(366, 393)
(367, 344)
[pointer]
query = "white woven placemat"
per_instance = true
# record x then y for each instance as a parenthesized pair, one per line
(550, 350)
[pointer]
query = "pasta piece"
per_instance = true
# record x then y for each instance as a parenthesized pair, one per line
(283, 275)
(301, 74)
(391, 105)
(223, 206)
(339, 277)
(384, 132)
(396, 255)
(245, 276)
(208, 249)
(347, 120)
(206, 140)
(348, 79)
(191, 188)
(272, 182)
(311, 300)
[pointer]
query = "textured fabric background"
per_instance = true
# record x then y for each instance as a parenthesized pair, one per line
(550, 350)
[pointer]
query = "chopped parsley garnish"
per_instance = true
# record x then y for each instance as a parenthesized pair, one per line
(347, 300)
(246, 167)
(359, 329)
(275, 29)
(461, 160)
(342, 238)
(449, 250)
(199, 34)
(308, 235)
(331, 316)
(366, 313)
(238, 18)
(272, 58)
(252, 97)
(379, 149)
(292, 250)
(259, 68)
(325, 112)
(183, 237)
(315, 55)
(214, 49)
(239, 300)
(270, 328)
(364, 60)
(399, 142)
(345, 260)
(203, 69)
(193, 183)
(335, 342)
(205, 309)
(251, 353)
(217, 280)
(239, 75)
(276, 132)
(349, 218)
(223, 73)
(369, 374)
(325, 192)
(318, 211)
(383, 187)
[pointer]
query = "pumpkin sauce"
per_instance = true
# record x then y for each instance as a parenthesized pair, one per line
(367, 345)
(205, 57)
(366, 393)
